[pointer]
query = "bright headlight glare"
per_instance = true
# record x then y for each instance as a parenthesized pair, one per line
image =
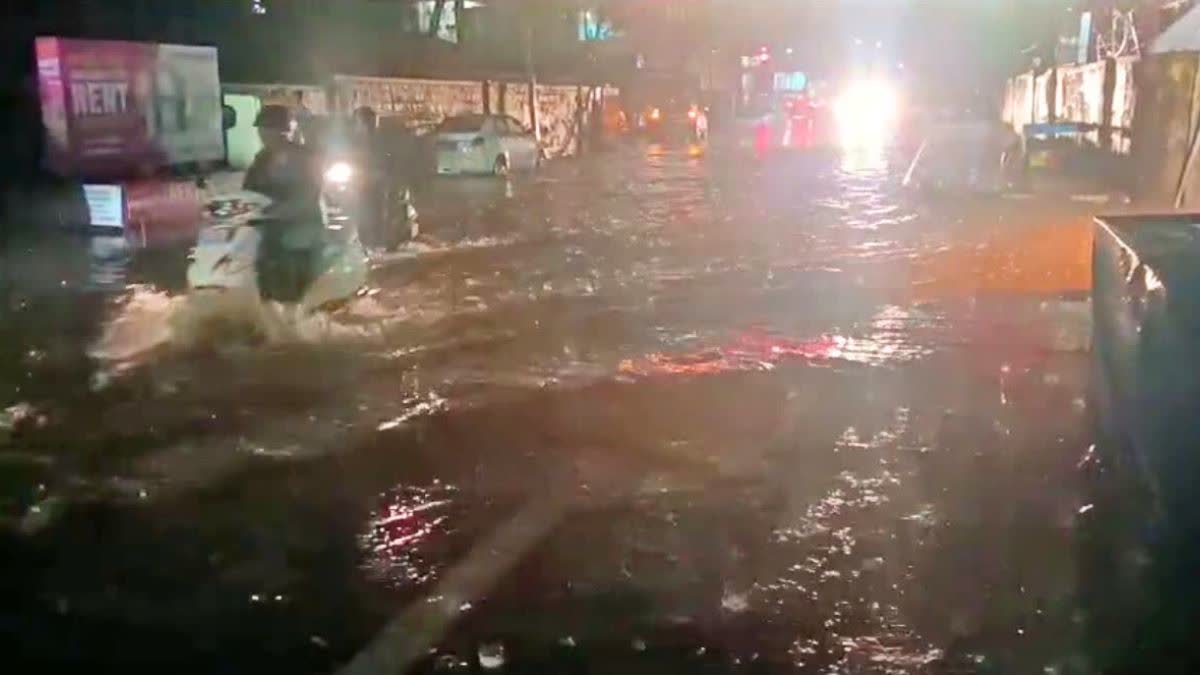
(866, 112)
(339, 172)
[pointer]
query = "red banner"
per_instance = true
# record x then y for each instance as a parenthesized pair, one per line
(162, 211)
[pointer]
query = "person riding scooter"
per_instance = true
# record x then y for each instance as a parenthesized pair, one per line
(293, 232)
(367, 174)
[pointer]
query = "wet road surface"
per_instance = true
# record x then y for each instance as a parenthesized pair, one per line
(652, 411)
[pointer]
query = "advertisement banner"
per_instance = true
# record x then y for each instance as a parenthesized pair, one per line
(160, 211)
(53, 98)
(113, 108)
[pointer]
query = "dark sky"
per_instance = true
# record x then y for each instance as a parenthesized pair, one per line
(953, 41)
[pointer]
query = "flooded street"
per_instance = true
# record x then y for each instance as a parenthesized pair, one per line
(657, 410)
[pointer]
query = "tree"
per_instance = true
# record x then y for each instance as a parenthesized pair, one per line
(460, 24)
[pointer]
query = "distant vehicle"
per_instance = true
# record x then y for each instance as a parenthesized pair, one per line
(671, 120)
(366, 179)
(485, 144)
(785, 122)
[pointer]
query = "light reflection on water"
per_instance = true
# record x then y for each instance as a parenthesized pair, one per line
(890, 339)
(109, 257)
(404, 524)
(865, 630)
(865, 161)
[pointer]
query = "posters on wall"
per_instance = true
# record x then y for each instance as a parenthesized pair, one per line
(421, 103)
(117, 108)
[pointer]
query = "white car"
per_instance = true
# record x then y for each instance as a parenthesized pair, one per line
(489, 144)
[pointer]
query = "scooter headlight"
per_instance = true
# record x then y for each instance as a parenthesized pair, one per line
(339, 173)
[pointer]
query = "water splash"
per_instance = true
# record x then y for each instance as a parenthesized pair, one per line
(139, 324)
(416, 407)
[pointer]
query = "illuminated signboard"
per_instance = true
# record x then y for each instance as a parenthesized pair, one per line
(113, 108)
(105, 205)
(796, 81)
(594, 28)
(756, 60)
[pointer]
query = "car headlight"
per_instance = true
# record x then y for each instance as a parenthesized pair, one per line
(866, 114)
(339, 173)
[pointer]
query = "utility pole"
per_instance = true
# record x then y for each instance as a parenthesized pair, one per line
(531, 75)
(460, 26)
(435, 19)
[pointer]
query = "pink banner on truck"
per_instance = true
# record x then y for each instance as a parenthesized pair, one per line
(115, 109)
(162, 211)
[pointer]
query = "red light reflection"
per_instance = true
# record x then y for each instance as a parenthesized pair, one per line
(754, 350)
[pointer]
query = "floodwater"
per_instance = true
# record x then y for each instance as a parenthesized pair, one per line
(658, 410)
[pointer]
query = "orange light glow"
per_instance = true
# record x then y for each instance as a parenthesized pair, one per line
(1043, 258)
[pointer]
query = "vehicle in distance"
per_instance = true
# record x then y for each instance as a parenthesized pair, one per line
(484, 144)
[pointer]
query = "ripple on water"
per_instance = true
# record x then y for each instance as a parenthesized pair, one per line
(833, 570)
(889, 340)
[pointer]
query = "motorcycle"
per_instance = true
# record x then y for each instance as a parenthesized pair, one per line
(225, 262)
(384, 216)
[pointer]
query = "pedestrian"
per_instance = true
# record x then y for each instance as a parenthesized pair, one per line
(303, 115)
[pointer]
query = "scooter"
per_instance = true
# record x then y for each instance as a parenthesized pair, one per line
(384, 217)
(225, 261)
